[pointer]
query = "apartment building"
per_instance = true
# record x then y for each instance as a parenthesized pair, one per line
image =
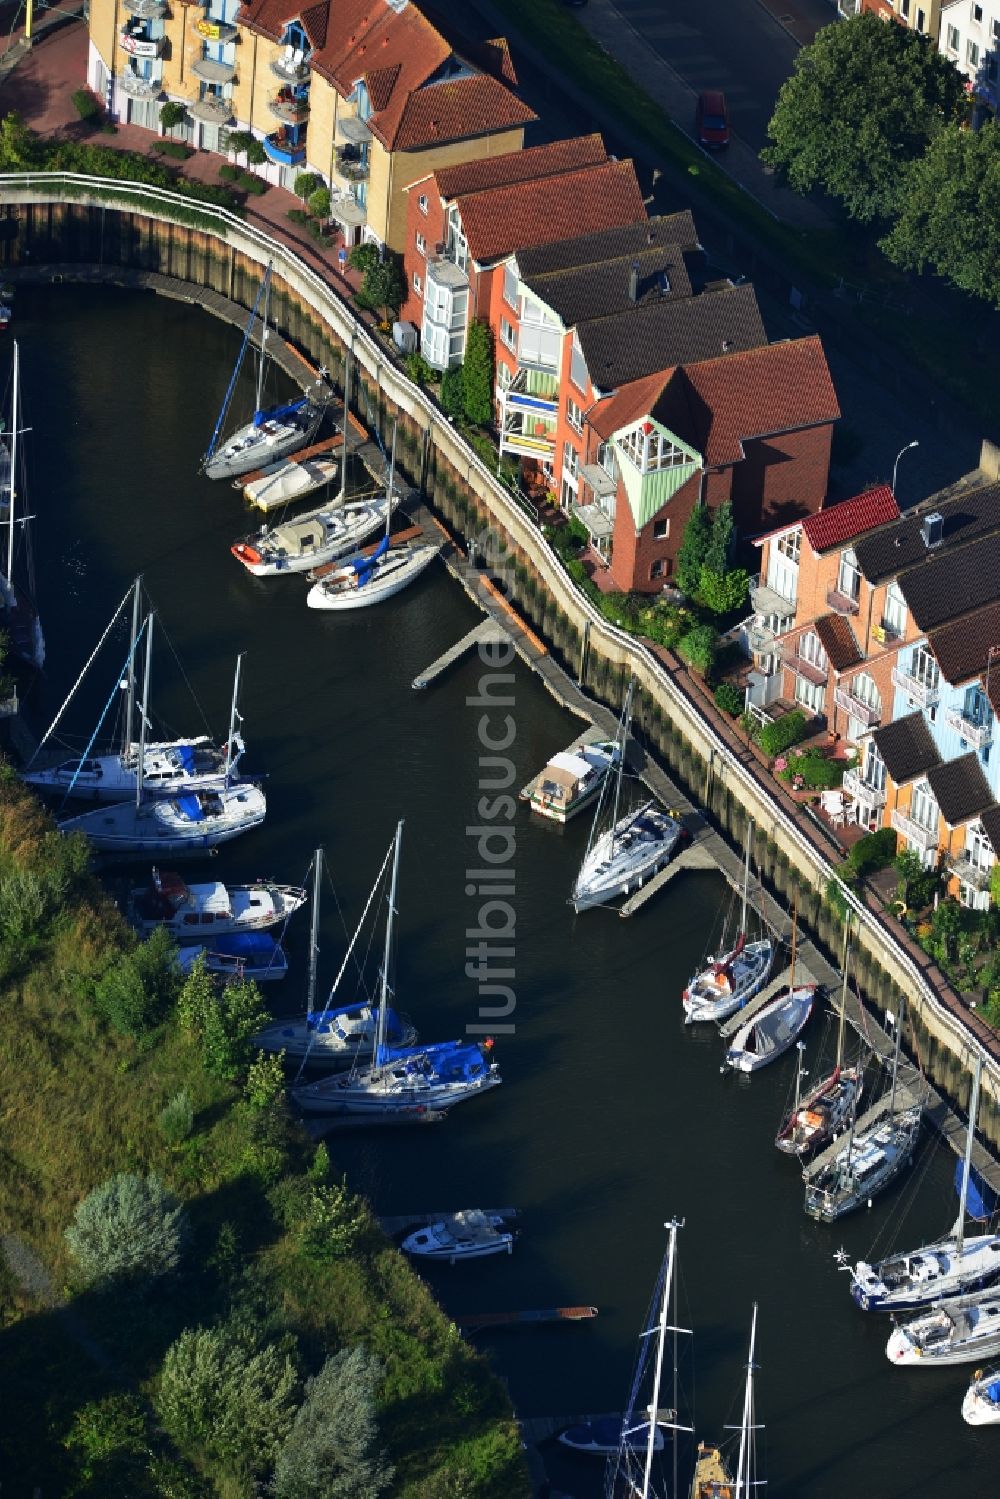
(368, 94)
(970, 36)
(919, 15)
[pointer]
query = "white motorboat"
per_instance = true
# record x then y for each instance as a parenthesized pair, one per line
(468, 1235)
(241, 955)
(310, 540)
(959, 1331)
(279, 484)
(571, 780)
(178, 825)
(190, 913)
(770, 1033)
(981, 1406)
(869, 1161)
(732, 979)
(363, 581)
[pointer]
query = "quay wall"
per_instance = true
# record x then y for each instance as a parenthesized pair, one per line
(52, 225)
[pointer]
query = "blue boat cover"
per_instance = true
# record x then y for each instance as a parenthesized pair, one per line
(275, 413)
(191, 807)
(447, 1061)
(246, 945)
(185, 754)
(365, 564)
(993, 1391)
(981, 1202)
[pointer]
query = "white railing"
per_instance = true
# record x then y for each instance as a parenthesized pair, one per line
(914, 832)
(865, 713)
(976, 734)
(922, 693)
(327, 301)
(855, 785)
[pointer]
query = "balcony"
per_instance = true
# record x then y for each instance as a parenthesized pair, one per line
(346, 210)
(531, 439)
(283, 152)
(137, 87)
(808, 670)
(886, 634)
(350, 164)
(287, 70)
(598, 522)
(215, 31)
(137, 42)
(354, 130)
(863, 712)
(855, 785)
(841, 603)
(209, 70)
(914, 833)
(767, 601)
(146, 10)
(601, 482)
(211, 110)
(976, 734)
(286, 106)
(967, 872)
(923, 695)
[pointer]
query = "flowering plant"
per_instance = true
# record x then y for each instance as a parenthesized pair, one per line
(779, 764)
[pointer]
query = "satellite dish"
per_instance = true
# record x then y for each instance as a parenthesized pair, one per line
(760, 638)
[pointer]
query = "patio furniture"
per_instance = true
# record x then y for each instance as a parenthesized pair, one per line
(832, 803)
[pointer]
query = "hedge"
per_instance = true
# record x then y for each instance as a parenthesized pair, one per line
(776, 737)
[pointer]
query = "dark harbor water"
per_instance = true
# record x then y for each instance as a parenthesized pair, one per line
(613, 1117)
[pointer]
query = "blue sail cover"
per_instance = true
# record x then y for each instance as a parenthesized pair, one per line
(191, 807)
(448, 1061)
(277, 413)
(246, 945)
(981, 1202)
(364, 565)
(185, 754)
(993, 1391)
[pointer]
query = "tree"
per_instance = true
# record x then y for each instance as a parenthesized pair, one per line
(948, 218)
(108, 1440)
(722, 592)
(135, 993)
(318, 203)
(238, 142)
(223, 1024)
(20, 149)
(233, 1400)
(256, 155)
(478, 374)
(694, 547)
(717, 552)
(172, 114)
(383, 288)
(129, 1226)
(863, 103)
(453, 391)
(306, 183)
(332, 1449)
(363, 257)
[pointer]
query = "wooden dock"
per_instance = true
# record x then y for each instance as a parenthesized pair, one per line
(487, 632)
(411, 533)
(473, 1320)
(770, 991)
(695, 856)
(402, 1222)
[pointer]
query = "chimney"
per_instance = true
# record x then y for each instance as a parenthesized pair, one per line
(726, 346)
(932, 529)
(989, 460)
(633, 282)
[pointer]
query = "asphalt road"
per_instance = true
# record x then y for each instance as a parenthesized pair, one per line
(736, 45)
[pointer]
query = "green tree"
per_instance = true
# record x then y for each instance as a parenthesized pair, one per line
(255, 153)
(176, 1118)
(697, 648)
(238, 142)
(224, 1024)
(319, 203)
(222, 1395)
(172, 114)
(306, 183)
(948, 218)
(363, 257)
(265, 1080)
(383, 289)
(694, 548)
(138, 989)
(20, 149)
(129, 1226)
(862, 104)
(332, 1450)
(722, 592)
(478, 374)
(107, 1439)
(453, 391)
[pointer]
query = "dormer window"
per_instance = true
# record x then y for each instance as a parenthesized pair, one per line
(649, 450)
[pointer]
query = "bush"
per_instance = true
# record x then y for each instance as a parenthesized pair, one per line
(176, 1118)
(453, 391)
(811, 768)
(873, 851)
(225, 1024)
(128, 1227)
(172, 114)
(916, 884)
(255, 153)
(693, 549)
(722, 593)
(298, 216)
(332, 1224)
(228, 172)
(176, 150)
(86, 104)
(135, 993)
(697, 648)
(247, 182)
(319, 203)
(775, 738)
(729, 699)
(306, 183)
(363, 257)
(265, 1082)
(332, 1449)
(108, 1439)
(417, 369)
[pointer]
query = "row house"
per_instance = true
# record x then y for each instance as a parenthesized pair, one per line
(967, 32)
(919, 15)
(464, 224)
(367, 94)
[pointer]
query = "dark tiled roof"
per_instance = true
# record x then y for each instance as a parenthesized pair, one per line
(906, 747)
(990, 819)
(835, 524)
(601, 290)
(455, 109)
(838, 640)
(500, 221)
(961, 648)
(667, 333)
(520, 166)
(954, 582)
(970, 509)
(960, 789)
(609, 244)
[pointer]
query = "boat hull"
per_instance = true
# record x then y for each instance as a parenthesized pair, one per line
(779, 1024)
(909, 1347)
(822, 1115)
(401, 1100)
(254, 447)
(107, 779)
(981, 1406)
(705, 999)
(561, 812)
(606, 876)
(340, 591)
(298, 1040)
(154, 829)
(927, 1280)
(263, 559)
(215, 909)
(446, 1241)
(226, 966)
(893, 1142)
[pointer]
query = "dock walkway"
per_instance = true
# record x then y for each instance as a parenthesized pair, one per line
(487, 632)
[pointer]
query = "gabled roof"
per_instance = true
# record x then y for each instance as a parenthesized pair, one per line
(628, 405)
(836, 524)
(603, 290)
(501, 221)
(452, 110)
(520, 166)
(955, 582)
(961, 647)
(990, 819)
(839, 641)
(907, 748)
(609, 244)
(969, 508)
(960, 789)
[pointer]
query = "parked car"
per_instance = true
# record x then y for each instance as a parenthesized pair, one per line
(711, 119)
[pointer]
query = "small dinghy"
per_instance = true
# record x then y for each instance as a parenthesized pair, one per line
(770, 1033)
(241, 955)
(280, 483)
(604, 1437)
(309, 540)
(981, 1406)
(363, 581)
(952, 1332)
(571, 780)
(469, 1235)
(191, 913)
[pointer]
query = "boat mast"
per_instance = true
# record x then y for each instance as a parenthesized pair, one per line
(130, 699)
(843, 995)
(233, 714)
(795, 932)
(661, 1334)
(227, 398)
(392, 476)
(895, 1062)
(141, 766)
(746, 876)
(745, 1462)
(263, 336)
(347, 407)
(800, 1047)
(626, 719)
(384, 991)
(15, 423)
(967, 1167)
(314, 931)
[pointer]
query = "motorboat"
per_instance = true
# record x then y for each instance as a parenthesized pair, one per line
(768, 1035)
(468, 1235)
(241, 955)
(309, 540)
(571, 780)
(362, 581)
(950, 1332)
(981, 1406)
(731, 980)
(190, 913)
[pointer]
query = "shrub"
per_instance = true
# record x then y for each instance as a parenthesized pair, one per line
(665, 623)
(478, 374)
(363, 257)
(135, 993)
(782, 734)
(319, 203)
(383, 287)
(811, 768)
(306, 183)
(255, 153)
(298, 216)
(332, 1224)
(228, 172)
(417, 369)
(225, 1024)
(172, 114)
(694, 548)
(108, 1439)
(86, 104)
(265, 1082)
(729, 699)
(916, 884)
(176, 150)
(332, 1449)
(453, 391)
(722, 593)
(247, 182)
(176, 1118)
(128, 1227)
(874, 851)
(697, 648)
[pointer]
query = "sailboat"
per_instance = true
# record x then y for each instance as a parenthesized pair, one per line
(769, 1033)
(958, 1331)
(192, 913)
(955, 1266)
(19, 617)
(403, 1081)
(336, 1035)
(713, 1478)
(319, 536)
(981, 1406)
(631, 848)
(273, 432)
(171, 767)
(868, 1162)
(242, 955)
(827, 1108)
(735, 976)
(182, 824)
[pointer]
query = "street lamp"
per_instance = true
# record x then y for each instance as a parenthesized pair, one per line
(895, 466)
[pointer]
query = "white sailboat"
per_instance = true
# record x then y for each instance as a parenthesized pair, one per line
(713, 1478)
(273, 432)
(468, 1235)
(732, 979)
(192, 913)
(338, 1034)
(981, 1406)
(403, 1081)
(958, 1331)
(956, 1265)
(242, 955)
(171, 767)
(774, 1029)
(632, 848)
(18, 614)
(312, 539)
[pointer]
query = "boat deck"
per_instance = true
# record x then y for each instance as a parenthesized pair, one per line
(400, 1223)
(782, 980)
(589, 736)
(907, 1097)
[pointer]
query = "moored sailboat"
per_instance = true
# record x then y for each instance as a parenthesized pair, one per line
(958, 1331)
(713, 1477)
(732, 979)
(981, 1406)
(769, 1033)
(309, 540)
(241, 955)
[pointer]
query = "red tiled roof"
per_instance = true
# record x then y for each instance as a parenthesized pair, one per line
(500, 221)
(455, 109)
(835, 524)
(776, 388)
(628, 404)
(839, 641)
(520, 166)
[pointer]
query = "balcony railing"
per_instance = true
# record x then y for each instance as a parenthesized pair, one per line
(137, 87)
(863, 712)
(289, 72)
(808, 670)
(969, 873)
(976, 734)
(855, 785)
(841, 603)
(215, 31)
(284, 107)
(921, 692)
(212, 110)
(283, 152)
(210, 70)
(349, 165)
(914, 832)
(138, 44)
(767, 601)
(354, 130)
(886, 634)
(146, 10)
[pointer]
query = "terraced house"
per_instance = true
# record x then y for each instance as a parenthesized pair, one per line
(367, 94)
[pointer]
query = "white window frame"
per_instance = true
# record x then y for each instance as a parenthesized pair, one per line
(811, 649)
(849, 575)
(811, 695)
(972, 53)
(924, 810)
(790, 545)
(571, 461)
(574, 414)
(894, 609)
(510, 285)
(422, 202)
(508, 335)
(421, 243)
(418, 284)
(953, 39)
(924, 669)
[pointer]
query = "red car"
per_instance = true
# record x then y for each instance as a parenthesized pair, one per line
(711, 120)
